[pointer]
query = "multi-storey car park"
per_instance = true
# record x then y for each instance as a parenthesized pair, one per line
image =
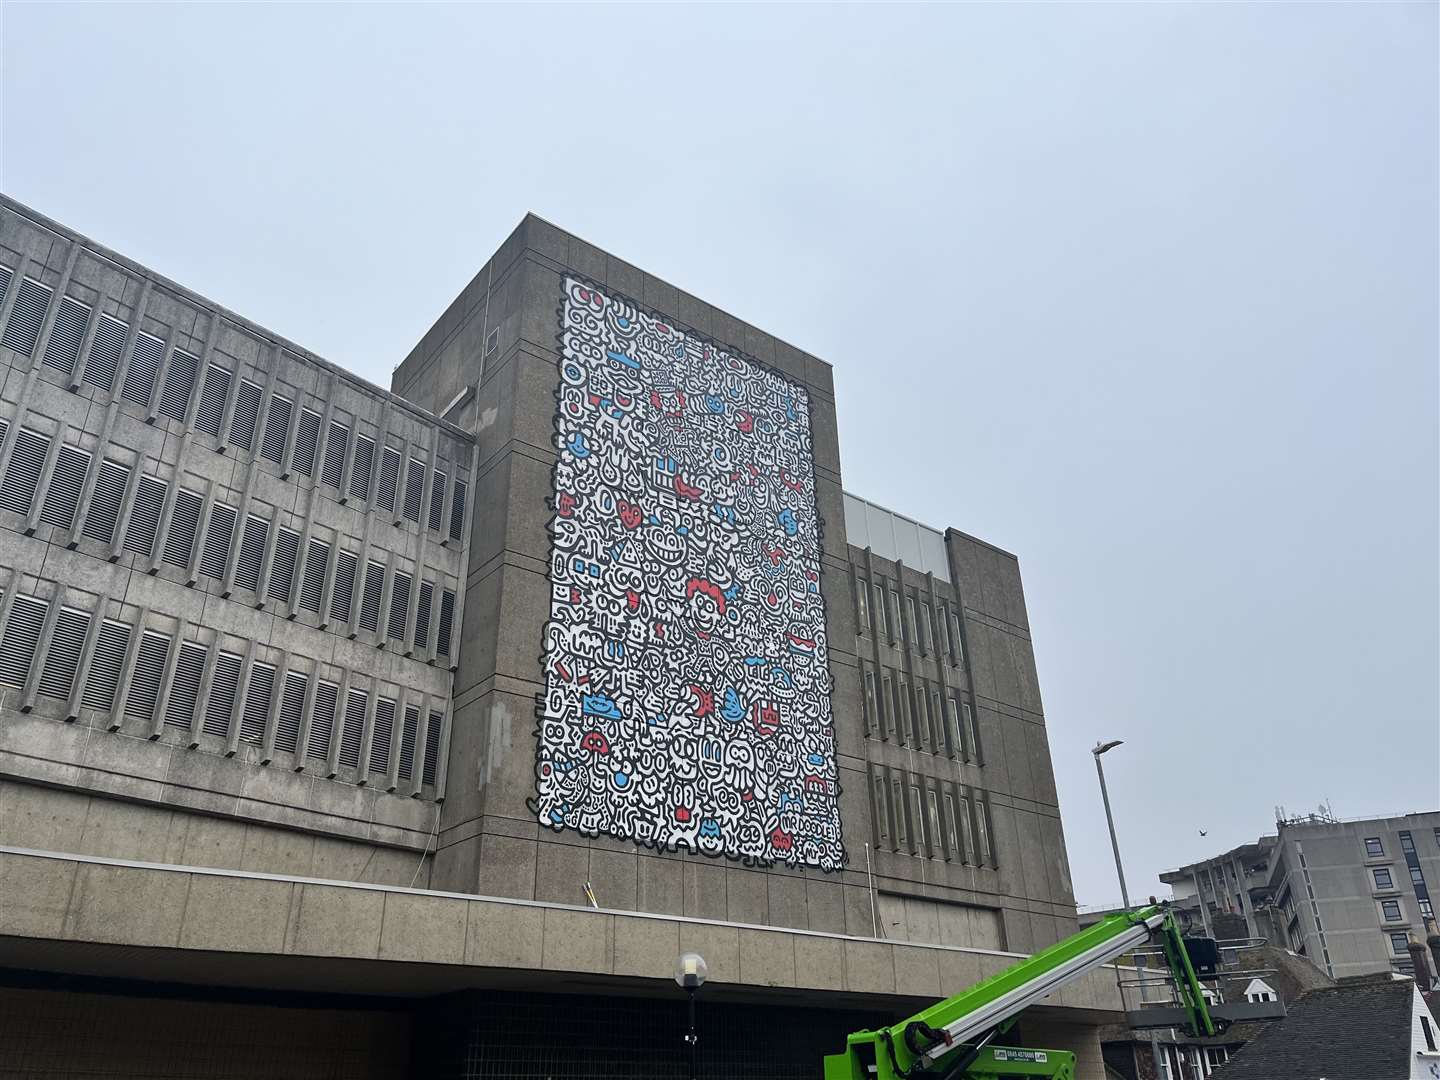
(423, 729)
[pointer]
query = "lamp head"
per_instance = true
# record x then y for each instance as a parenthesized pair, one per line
(1100, 748)
(690, 971)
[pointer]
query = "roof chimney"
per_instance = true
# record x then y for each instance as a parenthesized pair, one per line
(1433, 940)
(1421, 962)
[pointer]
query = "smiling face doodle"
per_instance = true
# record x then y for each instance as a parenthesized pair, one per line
(687, 689)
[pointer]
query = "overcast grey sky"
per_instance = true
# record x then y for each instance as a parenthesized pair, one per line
(1145, 294)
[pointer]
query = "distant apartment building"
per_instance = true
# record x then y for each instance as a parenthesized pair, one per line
(1348, 895)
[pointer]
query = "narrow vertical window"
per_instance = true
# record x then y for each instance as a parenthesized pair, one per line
(422, 615)
(933, 804)
(277, 429)
(213, 392)
(111, 645)
(220, 705)
(317, 563)
(22, 474)
(457, 511)
(414, 490)
(897, 804)
(68, 334)
(917, 811)
(26, 316)
(322, 721)
(179, 385)
(146, 357)
(63, 496)
(307, 440)
(409, 731)
(145, 510)
(432, 749)
(435, 517)
(219, 534)
(950, 833)
(247, 415)
(882, 819)
(364, 463)
(924, 627)
(862, 592)
(335, 448)
(105, 351)
(252, 553)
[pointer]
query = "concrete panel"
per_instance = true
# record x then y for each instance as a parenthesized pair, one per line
(233, 915)
(561, 870)
(787, 901)
(41, 818)
(767, 958)
(958, 971)
(334, 921)
(820, 962)
(422, 928)
(869, 967)
(646, 948)
(705, 886)
(746, 896)
(917, 971)
(213, 842)
(578, 941)
(719, 945)
(34, 895)
(825, 905)
(661, 885)
(127, 905)
(613, 876)
(503, 935)
(507, 867)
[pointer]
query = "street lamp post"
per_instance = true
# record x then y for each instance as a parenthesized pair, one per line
(1101, 748)
(690, 974)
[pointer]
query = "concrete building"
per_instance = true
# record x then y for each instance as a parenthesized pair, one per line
(1347, 895)
(353, 732)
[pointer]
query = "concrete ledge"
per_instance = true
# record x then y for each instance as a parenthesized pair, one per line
(160, 916)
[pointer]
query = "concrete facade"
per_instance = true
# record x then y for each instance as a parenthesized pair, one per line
(1347, 895)
(270, 649)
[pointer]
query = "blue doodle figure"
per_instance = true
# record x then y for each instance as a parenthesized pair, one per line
(622, 779)
(790, 410)
(786, 518)
(577, 446)
(733, 709)
(714, 404)
(710, 828)
(622, 322)
(816, 759)
(620, 358)
(601, 705)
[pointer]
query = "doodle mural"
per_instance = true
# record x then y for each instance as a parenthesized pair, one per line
(687, 692)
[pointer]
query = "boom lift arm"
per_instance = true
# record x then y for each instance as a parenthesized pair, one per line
(954, 1040)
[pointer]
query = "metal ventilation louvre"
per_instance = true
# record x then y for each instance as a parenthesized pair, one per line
(364, 463)
(219, 534)
(22, 635)
(354, 728)
(68, 481)
(247, 415)
(277, 429)
(257, 703)
(145, 360)
(22, 474)
(322, 721)
(110, 484)
(145, 516)
(220, 706)
(432, 749)
(282, 567)
(185, 686)
(457, 511)
(67, 641)
(105, 352)
(67, 335)
(437, 501)
(335, 447)
(447, 616)
(26, 317)
(252, 553)
(292, 707)
(370, 602)
(6, 275)
(382, 736)
(422, 615)
(144, 688)
(343, 595)
(399, 606)
(389, 480)
(307, 438)
(179, 385)
(103, 678)
(408, 733)
(213, 393)
(414, 490)
(317, 561)
(184, 522)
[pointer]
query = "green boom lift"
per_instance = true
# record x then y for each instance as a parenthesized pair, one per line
(956, 1039)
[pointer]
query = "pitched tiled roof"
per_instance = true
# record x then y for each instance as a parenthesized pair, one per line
(1358, 1031)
